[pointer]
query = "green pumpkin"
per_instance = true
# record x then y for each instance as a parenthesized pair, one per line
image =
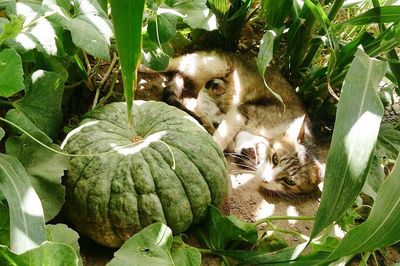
(164, 168)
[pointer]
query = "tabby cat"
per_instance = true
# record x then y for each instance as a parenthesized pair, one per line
(232, 95)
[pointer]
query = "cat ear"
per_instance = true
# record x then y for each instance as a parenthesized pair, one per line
(296, 130)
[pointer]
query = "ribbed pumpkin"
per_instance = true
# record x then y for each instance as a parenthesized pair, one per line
(164, 168)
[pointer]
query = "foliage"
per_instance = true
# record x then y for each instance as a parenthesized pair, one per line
(328, 49)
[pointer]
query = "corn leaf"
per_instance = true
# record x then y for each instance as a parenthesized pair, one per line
(127, 17)
(383, 14)
(382, 226)
(27, 229)
(354, 137)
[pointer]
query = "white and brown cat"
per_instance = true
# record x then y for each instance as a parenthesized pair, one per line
(232, 96)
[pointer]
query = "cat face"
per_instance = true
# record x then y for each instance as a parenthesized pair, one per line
(286, 168)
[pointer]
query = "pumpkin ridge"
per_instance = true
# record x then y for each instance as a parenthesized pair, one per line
(155, 186)
(130, 161)
(201, 171)
(182, 178)
(109, 202)
(93, 115)
(177, 176)
(173, 200)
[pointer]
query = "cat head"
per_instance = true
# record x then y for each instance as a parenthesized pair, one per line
(289, 165)
(287, 168)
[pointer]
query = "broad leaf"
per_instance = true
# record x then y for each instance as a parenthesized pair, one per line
(60, 233)
(218, 230)
(49, 253)
(183, 254)
(42, 103)
(10, 29)
(354, 137)
(27, 229)
(44, 167)
(127, 19)
(382, 226)
(152, 56)
(34, 26)
(89, 25)
(151, 246)
(162, 27)
(195, 13)
(17, 117)
(11, 73)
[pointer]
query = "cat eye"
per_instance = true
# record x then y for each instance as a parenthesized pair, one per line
(289, 181)
(275, 159)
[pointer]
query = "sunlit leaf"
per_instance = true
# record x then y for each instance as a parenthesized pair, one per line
(27, 229)
(381, 227)
(151, 246)
(38, 32)
(44, 167)
(49, 253)
(90, 27)
(195, 13)
(354, 137)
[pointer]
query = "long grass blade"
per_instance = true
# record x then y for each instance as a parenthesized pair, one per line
(354, 137)
(127, 17)
(382, 226)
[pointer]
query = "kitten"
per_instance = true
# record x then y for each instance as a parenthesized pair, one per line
(232, 94)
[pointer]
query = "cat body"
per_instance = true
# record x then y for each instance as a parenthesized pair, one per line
(232, 96)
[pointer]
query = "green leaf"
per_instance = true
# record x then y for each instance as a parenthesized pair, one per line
(11, 73)
(259, 257)
(219, 230)
(195, 13)
(34, 26)
(151, 246)
(388, 144)
(44, 167)
(54, 254)
(162, 28)
(127, 19)
(183, 254)
(61, 233)
(27, 229)
(4, 224)
(381, 227)
(383, 14)
(89, 25)
(356, 129)
(17, 117)
(42, 103)
(265, 55)
(11, 29)
(276, 12)
(152, 56)
(2, 133)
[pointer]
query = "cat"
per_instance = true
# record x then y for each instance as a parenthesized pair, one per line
(240, 109)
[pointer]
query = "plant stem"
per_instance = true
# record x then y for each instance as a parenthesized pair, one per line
(204, 250)
(103, 80)
(111, 89)
(285, 231)
(274, 218)
(337, 4)
(2, 102)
